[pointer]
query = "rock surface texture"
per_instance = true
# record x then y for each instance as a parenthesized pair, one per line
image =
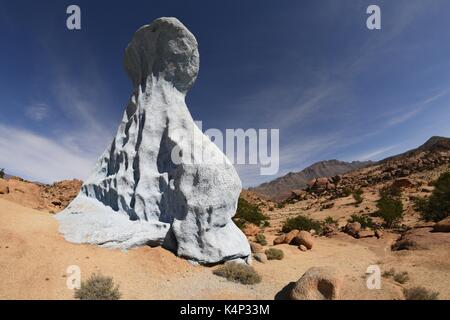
(161, 182)
(318, 283)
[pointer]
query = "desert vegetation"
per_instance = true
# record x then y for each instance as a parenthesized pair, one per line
(390, 206)
(274, 254)
(301, 222)
(261, 239)
(365, 221)
(357, 195)
(238, 272)
(420, 293)
(437, 206)
(98, 287)
(249, 213)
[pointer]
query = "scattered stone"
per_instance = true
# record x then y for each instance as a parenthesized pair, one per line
(279, 240)
(4, 189)
(318, 283)
(442, 226)
(261, 257)
(290, 236)
(403, 183)
(304, 238)
(352, 228)
(422, 239)
(366, 234)
(330, 230)
(427, 189)
(379, 233)
(256, 247)
(302, 248)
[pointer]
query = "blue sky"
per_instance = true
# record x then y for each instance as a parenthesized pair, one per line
(309, 68)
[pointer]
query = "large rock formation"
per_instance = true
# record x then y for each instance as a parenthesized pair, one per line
(161, 181)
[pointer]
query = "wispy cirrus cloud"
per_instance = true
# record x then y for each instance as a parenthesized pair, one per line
(40, 158)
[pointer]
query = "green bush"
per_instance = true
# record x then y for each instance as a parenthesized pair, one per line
(238, 272)
(390, 209)
(347, 192)
(249, 213)
(301, 223)
(357, 195)
(391, 192)
(437, 206)
(2, 173)
(420, 293)
(274, 254)
(330, 221)
(261, 239)
(365, 221)
(98, 287)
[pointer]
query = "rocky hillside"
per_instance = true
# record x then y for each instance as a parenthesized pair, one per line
(434, 155)
(52, 198)
(280, 188)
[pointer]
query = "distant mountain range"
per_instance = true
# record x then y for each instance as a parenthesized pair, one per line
(280, 188)
(434, 144)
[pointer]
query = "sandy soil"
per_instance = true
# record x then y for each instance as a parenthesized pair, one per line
(34, 259)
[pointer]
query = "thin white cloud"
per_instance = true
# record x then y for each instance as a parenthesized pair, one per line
(375, 154)
(404, 114)
(39, 158)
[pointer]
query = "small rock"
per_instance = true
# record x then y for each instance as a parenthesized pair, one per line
(330, 230)
(261, 257)
(379, 233)
(290, 236)
(352, 228)
(4, 189)
(366, 234)
(442, 226)
(279, 240)
(318, 283)
(256, 247)
(403, 183)
(304, 238)
(302, 248)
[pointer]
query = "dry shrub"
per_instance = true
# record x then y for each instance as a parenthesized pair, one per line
(98, 287)
(238, 272)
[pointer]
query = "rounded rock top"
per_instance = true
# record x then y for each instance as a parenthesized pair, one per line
(165, 49)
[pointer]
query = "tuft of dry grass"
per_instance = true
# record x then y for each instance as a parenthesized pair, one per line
(238, 272)
(401, 277)
(98, 287)
(420, 293)
(274, 254)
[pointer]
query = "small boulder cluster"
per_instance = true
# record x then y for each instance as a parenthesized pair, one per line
(355, 230)
(304, 240)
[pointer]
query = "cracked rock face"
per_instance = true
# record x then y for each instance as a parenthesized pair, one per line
(161, 182)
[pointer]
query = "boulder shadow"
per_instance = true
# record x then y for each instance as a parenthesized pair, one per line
(283, 294)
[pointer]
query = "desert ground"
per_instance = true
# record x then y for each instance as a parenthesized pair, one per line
(34, 258)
